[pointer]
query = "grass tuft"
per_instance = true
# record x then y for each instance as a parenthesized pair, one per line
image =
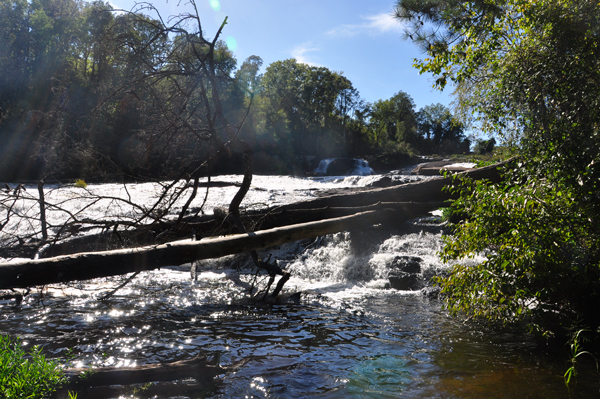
(80, 183)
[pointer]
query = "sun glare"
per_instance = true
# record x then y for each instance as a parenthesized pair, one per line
(215, 4)
(231, 43)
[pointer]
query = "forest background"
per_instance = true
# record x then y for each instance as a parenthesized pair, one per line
(89, 93)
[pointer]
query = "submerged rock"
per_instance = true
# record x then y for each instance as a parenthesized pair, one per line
(407, 264)
(405, 281)
(431, 292)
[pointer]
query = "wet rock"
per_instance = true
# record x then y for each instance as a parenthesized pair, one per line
(388, 180)
(431, 292)
(437, 168)
(383, 181)
(433, 272)
(339, 167)
(405, 273)
(430, 168)
(407, 264)
(405, 281)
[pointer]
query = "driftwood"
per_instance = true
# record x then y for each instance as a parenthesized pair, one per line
(83, 266)
(300, 212)
(212, 225)
(198, 368)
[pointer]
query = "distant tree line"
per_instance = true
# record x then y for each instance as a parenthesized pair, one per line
(86, 92)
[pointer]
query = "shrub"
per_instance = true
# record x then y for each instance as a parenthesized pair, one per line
(26, 375)
(543, 262)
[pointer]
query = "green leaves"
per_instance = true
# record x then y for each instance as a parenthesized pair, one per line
(536, 246)
(308, 97)
(395, 119)
(529, 73)
(25, 375)
(576, 350)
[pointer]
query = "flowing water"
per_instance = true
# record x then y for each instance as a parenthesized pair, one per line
(346, 335)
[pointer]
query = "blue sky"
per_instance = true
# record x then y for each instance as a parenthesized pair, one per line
(356, 37)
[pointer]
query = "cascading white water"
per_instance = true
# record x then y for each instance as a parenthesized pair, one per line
(361, 168)
(355, 167)
(323, 165)
(330, 260)
(102, 204)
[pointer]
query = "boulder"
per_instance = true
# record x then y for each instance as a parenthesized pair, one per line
(407, 264)
(383, 181)
(387, 180)
(431, 292)
(405, 273)
(405, 281)
(438, 168)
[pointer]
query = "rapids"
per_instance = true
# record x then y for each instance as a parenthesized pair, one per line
(345, 336)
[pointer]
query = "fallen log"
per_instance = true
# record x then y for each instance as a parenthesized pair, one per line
(430, 191)
(214, 226)
(423, 191)
(88, 265)
(198, 368)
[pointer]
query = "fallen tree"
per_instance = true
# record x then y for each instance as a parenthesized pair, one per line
(404, 196)
(425, 190)
(88, 265)
(216, 225)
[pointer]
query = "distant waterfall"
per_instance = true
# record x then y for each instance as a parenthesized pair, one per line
(343, 167)
(323, 165)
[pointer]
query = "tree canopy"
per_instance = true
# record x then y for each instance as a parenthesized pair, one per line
(87, 92)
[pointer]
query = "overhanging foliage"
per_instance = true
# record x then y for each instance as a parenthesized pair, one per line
(532, 67)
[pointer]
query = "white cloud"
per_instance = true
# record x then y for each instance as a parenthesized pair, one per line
(299, 53)
(374, 24)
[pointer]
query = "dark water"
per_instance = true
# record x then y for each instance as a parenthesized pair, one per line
(381, 344)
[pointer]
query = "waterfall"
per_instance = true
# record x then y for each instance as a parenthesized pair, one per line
(343, 167)
(323, 165)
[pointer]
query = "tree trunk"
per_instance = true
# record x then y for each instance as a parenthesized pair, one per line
(83, 266)
(422, 191)
(428, 191)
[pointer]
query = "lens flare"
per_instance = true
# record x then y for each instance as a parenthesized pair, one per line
(215, 5)
(231, 43)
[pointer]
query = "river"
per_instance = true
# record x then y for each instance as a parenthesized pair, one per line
(345, 335)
